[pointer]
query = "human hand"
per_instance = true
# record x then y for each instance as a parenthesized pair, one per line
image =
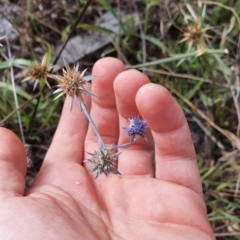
(66, 202)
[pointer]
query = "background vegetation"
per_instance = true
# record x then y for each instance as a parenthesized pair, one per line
(191, 47)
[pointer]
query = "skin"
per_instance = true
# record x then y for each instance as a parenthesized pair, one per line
(65, 202)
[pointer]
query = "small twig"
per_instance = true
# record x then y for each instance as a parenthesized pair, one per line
(79, 18)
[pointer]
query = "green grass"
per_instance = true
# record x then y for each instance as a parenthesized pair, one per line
(206, 84)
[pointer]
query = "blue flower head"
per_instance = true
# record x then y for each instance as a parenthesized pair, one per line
(136, 128)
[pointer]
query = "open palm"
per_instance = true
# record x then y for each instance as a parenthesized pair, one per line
(147, 202)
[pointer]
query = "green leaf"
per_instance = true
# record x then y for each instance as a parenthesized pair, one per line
(177, 57)
(194, 90)
(206, 100)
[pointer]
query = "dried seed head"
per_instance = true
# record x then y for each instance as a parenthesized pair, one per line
(195, 34)
(72, 83)
(39, 72)
(103, 162)
(136, 128)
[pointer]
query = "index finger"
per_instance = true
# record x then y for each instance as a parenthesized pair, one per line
(70, 134)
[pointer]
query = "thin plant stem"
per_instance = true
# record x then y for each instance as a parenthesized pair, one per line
(133, 139)
(84, 109)
(15, 93)
(178, 57)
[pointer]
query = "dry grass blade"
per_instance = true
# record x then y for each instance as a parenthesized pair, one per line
(188, 76)
(232, 137)
(204, 128)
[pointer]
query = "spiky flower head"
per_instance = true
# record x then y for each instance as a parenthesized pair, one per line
(136, 128)
(39, 72)
(195, 34)
(71, 83)
(103, 162)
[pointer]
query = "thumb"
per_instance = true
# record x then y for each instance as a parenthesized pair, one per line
(12, 165)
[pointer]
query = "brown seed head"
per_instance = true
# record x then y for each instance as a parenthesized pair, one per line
(196, 34)
(71, 83)
(37, 72)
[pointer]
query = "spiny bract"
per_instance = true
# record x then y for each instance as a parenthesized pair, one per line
(103, 162)
(72, 83)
